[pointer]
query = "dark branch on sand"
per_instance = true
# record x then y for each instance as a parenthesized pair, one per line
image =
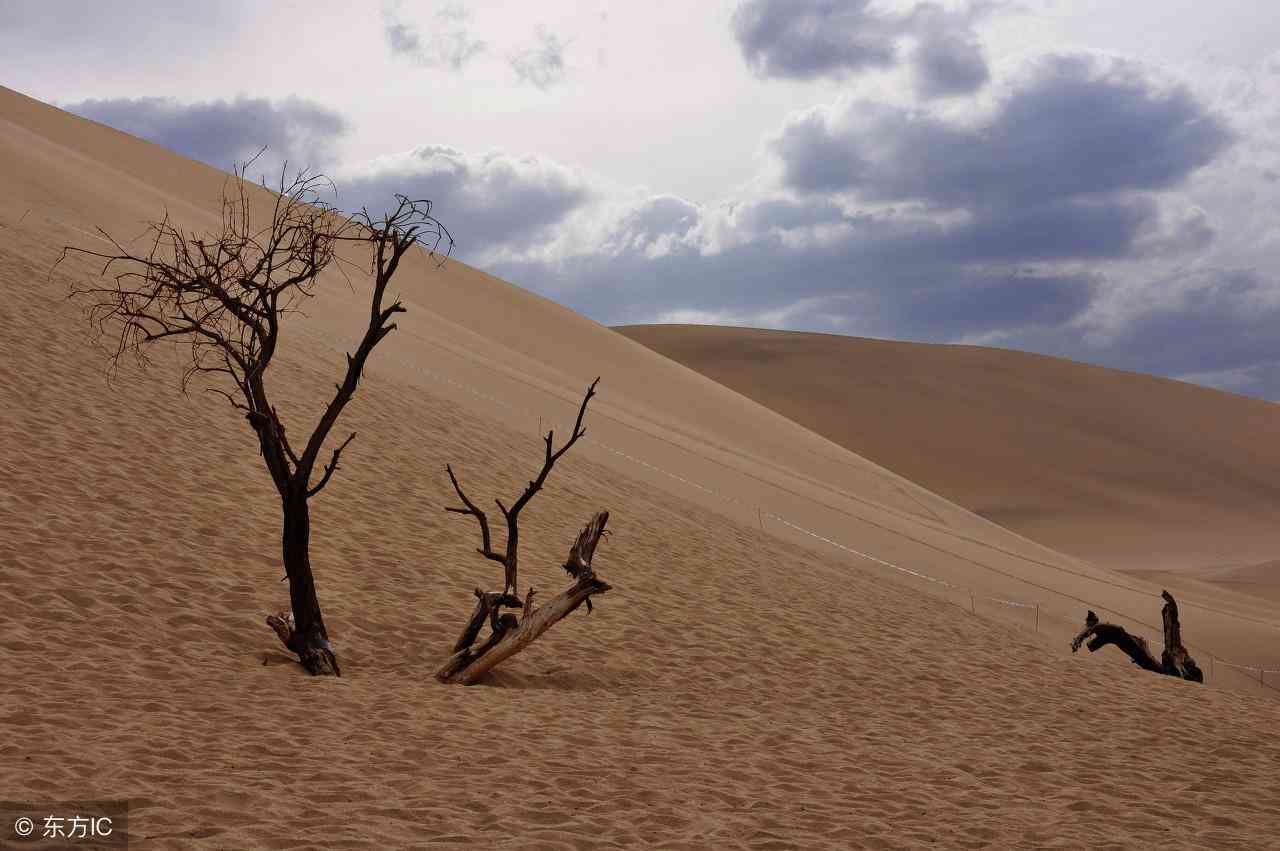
(1175, 661)
(508, 633)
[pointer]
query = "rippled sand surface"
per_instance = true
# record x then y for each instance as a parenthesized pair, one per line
(744, 686)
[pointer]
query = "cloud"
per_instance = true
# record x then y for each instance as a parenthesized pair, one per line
(975, 303)
(655, 226)
(861, 274)
(948, 64)
(1079, 127)
(1065, 169)
(813, 312)
(490, 202)
(808, 39)
(1212, 325)
(449, 45)
(224, 132)
(804, 39)
(542, 64)
(1052, 221)
(781, 215)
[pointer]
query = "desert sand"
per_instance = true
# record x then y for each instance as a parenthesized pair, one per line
(1133, 471)
(745, 684)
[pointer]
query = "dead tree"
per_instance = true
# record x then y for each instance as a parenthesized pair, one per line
(225, 297)
(1175, 661)
(509, 633)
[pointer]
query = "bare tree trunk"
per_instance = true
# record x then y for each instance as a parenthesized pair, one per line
(304, 631)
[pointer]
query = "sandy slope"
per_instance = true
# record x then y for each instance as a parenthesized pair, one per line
(717, 698)
(1127, 469)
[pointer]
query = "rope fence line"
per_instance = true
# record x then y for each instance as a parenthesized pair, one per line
(1262, 672)
(940, 526)
(761, 513)
(728, 498)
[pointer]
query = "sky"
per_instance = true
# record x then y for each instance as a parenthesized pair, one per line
(1082, 178)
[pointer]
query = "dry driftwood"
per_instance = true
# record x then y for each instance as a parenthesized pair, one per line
(508, 633)
(1175, 661)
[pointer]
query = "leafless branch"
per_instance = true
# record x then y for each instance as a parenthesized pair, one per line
(330, 467)
(510, 560)
(485, 548)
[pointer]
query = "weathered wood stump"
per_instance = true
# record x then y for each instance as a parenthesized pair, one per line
(314, 651)
(1175, 661)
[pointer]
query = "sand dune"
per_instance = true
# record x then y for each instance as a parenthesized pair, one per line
(716, 698)
(1125, 469)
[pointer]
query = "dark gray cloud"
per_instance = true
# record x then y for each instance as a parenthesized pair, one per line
(1214, 326)
(1012, 229)
(447, 44)
(487, 201)
(975, 303)
(541, 64)
(1063, 170)
(804, 39)
(224, 132)
(948, 64)
(1078, 128)
(785, 214)
(1053, 230)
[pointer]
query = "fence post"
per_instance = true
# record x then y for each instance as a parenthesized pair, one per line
(760, 517)
(973, 607)
(1037, 617)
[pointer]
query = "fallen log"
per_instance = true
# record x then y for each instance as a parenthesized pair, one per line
(509, 635)
(1175, 661)
(1101, 634)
